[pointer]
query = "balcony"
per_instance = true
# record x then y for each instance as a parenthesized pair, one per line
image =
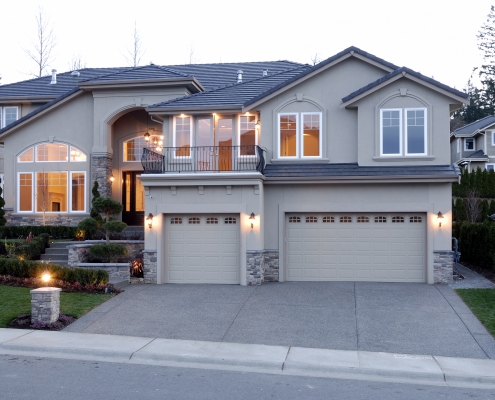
(203, 159)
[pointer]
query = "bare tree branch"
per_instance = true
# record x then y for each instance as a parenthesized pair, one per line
(192, 57)
(315, 59)
(136, 52)
(42, 48)
(76, 63)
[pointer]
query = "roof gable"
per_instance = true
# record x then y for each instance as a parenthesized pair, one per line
(475, 127)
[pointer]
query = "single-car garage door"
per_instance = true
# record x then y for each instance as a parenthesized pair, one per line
(202, 248)
(356, 247)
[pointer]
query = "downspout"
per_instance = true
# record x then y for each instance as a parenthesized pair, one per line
(155, 120)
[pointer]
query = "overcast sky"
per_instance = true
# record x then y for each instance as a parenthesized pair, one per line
(434, 37)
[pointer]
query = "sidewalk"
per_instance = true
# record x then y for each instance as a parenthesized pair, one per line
(286, 360)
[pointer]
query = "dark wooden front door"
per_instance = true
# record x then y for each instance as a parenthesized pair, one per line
(132, 199)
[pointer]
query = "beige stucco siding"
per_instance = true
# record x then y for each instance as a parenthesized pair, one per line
(322, 92)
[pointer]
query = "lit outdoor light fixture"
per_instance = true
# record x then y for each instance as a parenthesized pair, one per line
(149, 218)
(112, 178)
(257, 124)
(147, 137)
(439, 217)
(252, 217)
(46, 277)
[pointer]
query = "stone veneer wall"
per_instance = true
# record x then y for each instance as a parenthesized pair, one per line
(443, 263)
(101, 170)
(150, 266)
(50, 219)
(45, 304)
(262, 266)
(78, 253)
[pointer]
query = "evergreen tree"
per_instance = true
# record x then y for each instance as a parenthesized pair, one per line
(93, 213)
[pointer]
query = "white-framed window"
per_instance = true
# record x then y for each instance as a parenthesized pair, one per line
(490, 167)
(300, 135)
(25, 192)
(403, 132)
(26, 155)
(469, 144)
(248, 139)
(8, 115)
(77, 191)
(458, 142)
(133, 148)
(52, 152)
(182, 137)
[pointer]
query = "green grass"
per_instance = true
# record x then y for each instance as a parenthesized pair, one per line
(482, 304)
(16, 300)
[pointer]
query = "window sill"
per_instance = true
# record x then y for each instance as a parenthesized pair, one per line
(403, 158)
(300, 160)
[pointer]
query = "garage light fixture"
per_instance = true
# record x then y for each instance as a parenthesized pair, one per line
(252, 217)
(112, 178)
(149, 218)
(439, 217)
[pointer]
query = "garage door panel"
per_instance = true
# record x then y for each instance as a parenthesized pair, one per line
(201, 252)
(356, 246)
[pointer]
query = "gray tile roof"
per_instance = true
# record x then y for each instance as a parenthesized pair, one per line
(140, 73)
(475, 126)
(234, 95)
(477, 154)
(400, 71)
(354, 170)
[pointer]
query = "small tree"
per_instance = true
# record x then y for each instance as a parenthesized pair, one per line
(93, 213)
(109, 207)
(472, 206)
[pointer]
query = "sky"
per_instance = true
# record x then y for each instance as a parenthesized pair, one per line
(434, 37)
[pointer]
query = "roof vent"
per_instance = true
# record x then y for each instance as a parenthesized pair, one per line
(239, 76)
(265, 72)
(54, 77)
(75, 73)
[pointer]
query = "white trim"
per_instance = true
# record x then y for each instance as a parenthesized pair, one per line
(425, 133)
(493, 138)
(256, 119)
(2, 115)
(18, 203)
(490, 164)
(190, 136)
(297, 137)
(69, 209)
(474, 144)
(320, 139)
(400, 132)
(458, 145)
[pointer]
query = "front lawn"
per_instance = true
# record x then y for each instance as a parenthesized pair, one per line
(17, 300)
(482, 304)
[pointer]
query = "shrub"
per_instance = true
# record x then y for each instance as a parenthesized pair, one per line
(476, 242)
(55, 232)
(89, 226)
(107, 252)
(31, 250)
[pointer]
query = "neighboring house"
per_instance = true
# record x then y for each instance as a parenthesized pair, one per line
(253, 172)
(473, 145)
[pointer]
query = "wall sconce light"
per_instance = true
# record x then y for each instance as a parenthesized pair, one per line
(439, 218)
(252, 217)
(257, 124)
(149, 218)
(112, 178)
(147, 137)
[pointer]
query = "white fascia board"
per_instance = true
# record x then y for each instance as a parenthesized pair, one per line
(364, 179)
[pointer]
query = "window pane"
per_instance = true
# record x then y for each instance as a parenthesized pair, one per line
(77, 182)
(76, 154)
(51, 152)
(391, 132)
(27, 156)
(288, 130)
(10, 115)
(311, 134)
(248, 135)
(183, 136)
(469, 144)
(25, 192)
(139, 195)
(415, 132)
(51, 191)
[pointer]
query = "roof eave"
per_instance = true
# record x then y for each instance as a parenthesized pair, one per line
(31, 99)
(195, 110)
(365, 179)
(192, 84)
(404, 74)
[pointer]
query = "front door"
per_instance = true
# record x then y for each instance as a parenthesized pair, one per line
(214, 142)
(132, 199)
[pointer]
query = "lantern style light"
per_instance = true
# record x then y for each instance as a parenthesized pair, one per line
(439, 218)
(252, 217)
(149, 219)
(147, 137)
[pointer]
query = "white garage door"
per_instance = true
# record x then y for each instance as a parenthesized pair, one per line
(356, 247)
(202, 248)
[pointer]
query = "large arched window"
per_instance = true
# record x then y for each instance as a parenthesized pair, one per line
(43, 187)
(133, 148)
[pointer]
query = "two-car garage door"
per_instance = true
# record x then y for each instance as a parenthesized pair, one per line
(356, 247)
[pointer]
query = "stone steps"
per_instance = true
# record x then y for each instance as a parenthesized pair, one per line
(57, 253)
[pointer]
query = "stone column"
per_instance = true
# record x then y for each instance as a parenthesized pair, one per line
(101, 170)
(443, 265)
(45, 304)
(149, 266)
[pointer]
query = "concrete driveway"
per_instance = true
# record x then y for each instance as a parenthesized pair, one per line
(380, 317)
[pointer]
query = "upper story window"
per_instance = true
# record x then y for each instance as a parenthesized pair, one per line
(458, 142)
(300, 134)
(133, 148)
(8, 115)
(50, 152)
(403, 132)
(247, 135)
(490, 167)
(182, 136)
(469, 144)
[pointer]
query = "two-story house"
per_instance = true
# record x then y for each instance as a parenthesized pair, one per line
(250, 172)
(473, 146)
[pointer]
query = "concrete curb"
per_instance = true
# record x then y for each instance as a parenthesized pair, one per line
(363, 365)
